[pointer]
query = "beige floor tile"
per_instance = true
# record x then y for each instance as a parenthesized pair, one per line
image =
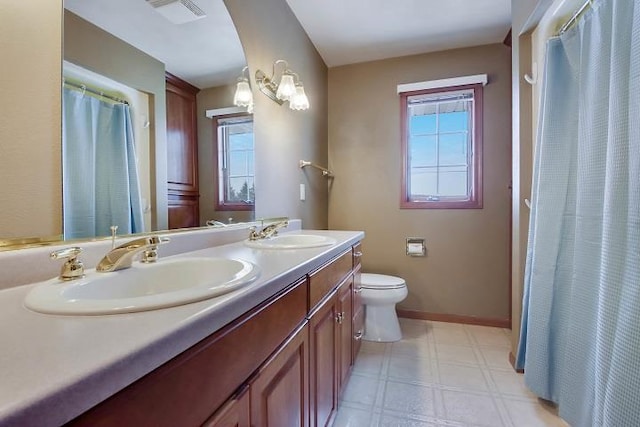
(351, 417)
(471, 409)
(532, 414)
(361, 389)
(451, 336)
(511, 383)
(464, 377)
(417, 348)
(371, 347)
(411, 369)
(488, 336)
(393, 421)
(456, 354)
(369, 364)
(496, 358)
(442, 374)
(409, 399)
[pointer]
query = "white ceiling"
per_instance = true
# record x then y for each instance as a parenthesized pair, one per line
(206, 52)
(351, 31)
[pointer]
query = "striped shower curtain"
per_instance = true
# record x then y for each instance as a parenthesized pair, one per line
(100, 176)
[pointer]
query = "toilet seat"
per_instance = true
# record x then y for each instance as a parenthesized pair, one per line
(381, 281)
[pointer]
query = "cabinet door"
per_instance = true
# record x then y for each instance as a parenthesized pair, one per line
(358, 313)
(235, 413)
(280, 391)
(345, 331)
(323, 361)
(182, 154)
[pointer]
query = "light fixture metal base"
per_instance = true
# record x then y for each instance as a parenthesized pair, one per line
(266, 86)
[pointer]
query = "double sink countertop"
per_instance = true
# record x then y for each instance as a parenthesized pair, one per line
(55, 367)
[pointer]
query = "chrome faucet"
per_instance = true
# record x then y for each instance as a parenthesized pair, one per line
(268, 231)
(122, 256)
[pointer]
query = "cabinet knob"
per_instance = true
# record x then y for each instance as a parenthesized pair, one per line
(357, 290)
(358, 335)
(340, 317)
(357, 254)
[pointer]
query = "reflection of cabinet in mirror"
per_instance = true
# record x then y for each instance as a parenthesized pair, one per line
(182, 154)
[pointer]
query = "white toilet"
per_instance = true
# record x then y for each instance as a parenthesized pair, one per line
(380, 294)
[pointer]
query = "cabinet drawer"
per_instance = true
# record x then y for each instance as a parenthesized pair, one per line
(186, 390)
(327, 277)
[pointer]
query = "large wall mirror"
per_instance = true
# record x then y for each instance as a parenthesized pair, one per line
(119, 117)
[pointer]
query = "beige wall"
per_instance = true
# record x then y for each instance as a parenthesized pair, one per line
(96, 50)
(525, 13)
(30, 151)
(269, 31)
(466, 271)
(209, 99)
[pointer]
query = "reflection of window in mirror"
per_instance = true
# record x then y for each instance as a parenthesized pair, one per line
(235, 162)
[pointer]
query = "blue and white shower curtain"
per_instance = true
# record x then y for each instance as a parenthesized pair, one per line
(580, 340)
(100, 176)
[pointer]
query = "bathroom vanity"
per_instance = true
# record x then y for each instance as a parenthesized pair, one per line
(276, 352)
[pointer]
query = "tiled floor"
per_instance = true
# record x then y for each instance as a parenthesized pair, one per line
(440, 374)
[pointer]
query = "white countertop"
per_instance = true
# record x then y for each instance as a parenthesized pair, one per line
(53, 368)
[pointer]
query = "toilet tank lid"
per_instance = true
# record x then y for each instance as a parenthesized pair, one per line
(370, 280)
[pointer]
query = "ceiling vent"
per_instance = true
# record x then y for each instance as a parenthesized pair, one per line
(177, 11)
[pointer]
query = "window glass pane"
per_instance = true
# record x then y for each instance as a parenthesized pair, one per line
(453, 149)
(422, 151)
(453, 181)
(452, 121)
(235, 160)
(423, 182)
(250, 159)
(238, 163)
(422, 124)
(241, 141)
(239, 190)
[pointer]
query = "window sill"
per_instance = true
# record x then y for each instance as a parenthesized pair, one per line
(466, 204)
(229, 207)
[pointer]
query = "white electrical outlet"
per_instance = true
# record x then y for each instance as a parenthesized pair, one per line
(303, 195)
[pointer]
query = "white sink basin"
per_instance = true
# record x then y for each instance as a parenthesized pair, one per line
(142, 287)
(291, 241)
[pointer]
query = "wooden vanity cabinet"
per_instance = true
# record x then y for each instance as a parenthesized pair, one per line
(323, 362)
(358, 308)
(188, 389)
(284, 363)
(280, 390)
(277, 395)
(235, 413)
(330, 331)
(345, 332)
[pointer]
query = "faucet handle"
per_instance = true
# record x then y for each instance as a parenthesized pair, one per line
(73, 267)
(150, 254)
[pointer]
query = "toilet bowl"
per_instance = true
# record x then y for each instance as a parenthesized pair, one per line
(380, 294)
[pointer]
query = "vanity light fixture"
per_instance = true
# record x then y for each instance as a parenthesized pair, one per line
(287, 87)
(243, 96)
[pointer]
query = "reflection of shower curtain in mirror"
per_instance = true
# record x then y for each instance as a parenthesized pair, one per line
(100, 177)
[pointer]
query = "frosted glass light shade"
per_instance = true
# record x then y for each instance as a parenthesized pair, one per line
(286, 88)
(299, 100)
(243, 96)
